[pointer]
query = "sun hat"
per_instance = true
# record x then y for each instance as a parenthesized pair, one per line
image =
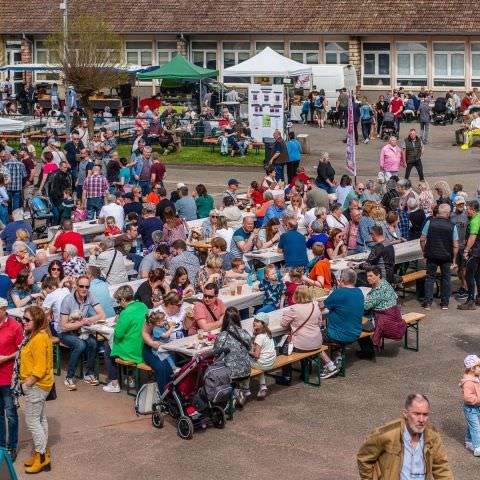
(471, 361)
(262, 317)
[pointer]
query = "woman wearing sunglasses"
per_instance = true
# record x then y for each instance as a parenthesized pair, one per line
(33, 376)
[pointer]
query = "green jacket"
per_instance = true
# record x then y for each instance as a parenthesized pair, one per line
(127, 340)
(381, 455)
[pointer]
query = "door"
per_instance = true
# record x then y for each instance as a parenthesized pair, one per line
(14, 57)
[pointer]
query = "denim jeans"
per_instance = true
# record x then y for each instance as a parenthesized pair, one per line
(292, 166)
(472, 417)
(279, 171)
(366, 128)
(325, 186)
(473, 276)
(8, 412)
(78, 347)
(94, 205)
(74, 174)
(110, 362)
(432, 266)
(424, 126)
(267, 308)
(161, 369)
(15, 199)
(4, 214)
(145, 184)
(136, 259)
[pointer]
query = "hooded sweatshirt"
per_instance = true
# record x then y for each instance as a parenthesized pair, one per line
(470, 385)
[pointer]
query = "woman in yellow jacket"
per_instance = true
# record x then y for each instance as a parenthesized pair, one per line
(35, 374)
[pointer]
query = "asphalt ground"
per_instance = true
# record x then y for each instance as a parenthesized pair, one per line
(298, 432)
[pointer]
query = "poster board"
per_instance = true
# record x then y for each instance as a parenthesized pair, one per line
(265, 110)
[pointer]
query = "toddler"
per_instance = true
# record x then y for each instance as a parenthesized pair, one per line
(238, 270)
(161, 332)
(273, 287)
(79, 214)
(263, 353)
(111, 229)
(296, 279)
(470, 385)
(67, 206)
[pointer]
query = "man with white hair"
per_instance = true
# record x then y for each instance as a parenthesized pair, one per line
(439, 243)
(112, 209)
(41, 265)
(73, 265)
(95, 187)
(9, 235)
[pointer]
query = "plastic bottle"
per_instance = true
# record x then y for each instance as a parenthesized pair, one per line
(250, 279)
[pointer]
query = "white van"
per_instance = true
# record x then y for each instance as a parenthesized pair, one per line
(333, 77)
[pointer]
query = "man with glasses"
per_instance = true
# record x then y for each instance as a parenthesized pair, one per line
(11, 337)
(405, 448)
(75, 313)
(209, 312)
(358, 193)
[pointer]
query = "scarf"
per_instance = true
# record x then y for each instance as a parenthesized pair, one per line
(16, 385)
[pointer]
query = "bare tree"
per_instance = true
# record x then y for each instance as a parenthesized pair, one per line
(89, 57)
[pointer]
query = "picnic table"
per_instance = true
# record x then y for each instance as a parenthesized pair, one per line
(83, 228)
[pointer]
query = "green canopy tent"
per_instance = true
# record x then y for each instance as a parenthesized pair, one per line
(179, 68)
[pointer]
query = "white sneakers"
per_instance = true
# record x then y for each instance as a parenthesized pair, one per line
(111, 388)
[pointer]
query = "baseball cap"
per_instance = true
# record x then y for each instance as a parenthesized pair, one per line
(459, 199)
(262, 317)
(3, 303)
(233, 181)
(471, 360)
(180, 185)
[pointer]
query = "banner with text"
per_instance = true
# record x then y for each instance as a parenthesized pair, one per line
(350, 151)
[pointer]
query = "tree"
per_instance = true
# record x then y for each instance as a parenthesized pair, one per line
(89, 57)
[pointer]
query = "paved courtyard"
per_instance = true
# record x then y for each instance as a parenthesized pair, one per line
(299, 432)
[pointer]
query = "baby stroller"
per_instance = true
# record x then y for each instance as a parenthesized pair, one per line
(439, 114)
(388, 126)
(40, 209)
(192, 397)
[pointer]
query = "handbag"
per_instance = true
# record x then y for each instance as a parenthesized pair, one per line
(52, 394)
(287, 348)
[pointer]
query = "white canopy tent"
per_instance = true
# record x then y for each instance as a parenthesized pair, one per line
(268, 63)
(7, 125)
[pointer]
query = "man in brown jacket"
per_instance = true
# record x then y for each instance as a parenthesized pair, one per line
(406, 448)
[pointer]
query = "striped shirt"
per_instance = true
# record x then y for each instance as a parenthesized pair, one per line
(17, 173)
(95, 186)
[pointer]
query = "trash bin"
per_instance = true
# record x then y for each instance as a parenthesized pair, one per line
(304, 140)
(268, 142)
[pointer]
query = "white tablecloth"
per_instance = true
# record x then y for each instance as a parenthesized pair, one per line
(83, 228)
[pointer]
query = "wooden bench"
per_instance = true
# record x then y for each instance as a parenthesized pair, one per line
(124, 367)
(412, 319)
(411, 277)
(257, 146)
(212, 142)
(282, 360)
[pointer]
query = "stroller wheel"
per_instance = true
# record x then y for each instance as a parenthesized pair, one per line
(185, 428)
(218, 417)
(157, 419)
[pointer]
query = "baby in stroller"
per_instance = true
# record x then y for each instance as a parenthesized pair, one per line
(388, 126)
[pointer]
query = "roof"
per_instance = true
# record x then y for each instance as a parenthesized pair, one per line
(254, 16)
(179, 68)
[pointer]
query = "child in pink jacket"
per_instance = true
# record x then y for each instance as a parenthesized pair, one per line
(470, 385)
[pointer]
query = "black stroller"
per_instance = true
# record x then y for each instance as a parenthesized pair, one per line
(440, 114)
(388, 126)
(40, 209)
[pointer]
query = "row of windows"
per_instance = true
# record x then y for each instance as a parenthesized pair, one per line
(412, 60)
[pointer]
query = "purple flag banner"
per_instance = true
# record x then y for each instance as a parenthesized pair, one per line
(350, 151)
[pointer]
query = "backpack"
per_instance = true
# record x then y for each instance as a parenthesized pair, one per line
(147, 396)
(217, 382)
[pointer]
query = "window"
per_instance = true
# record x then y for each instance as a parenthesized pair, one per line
(412, 64)
(305, 52)
(336, 53)
(204, 54)
(277, 46)
(166, 51)
(233, 54)
(475, 47)
(448, 64)
(139, 53)
(376, 64)
(47, 56)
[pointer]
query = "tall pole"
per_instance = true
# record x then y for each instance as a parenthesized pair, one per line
(64, 7)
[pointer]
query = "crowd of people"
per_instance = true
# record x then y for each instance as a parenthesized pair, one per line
(312, 222)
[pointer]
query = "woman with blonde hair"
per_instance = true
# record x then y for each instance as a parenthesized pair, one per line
(442, 189)
(297, 206)
(33, 377)
(364, 238)
(211, 272)
(425, 197)
(326, 174)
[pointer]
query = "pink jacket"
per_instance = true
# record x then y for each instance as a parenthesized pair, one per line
(309, 337)
(390, 158)
(471, 389)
